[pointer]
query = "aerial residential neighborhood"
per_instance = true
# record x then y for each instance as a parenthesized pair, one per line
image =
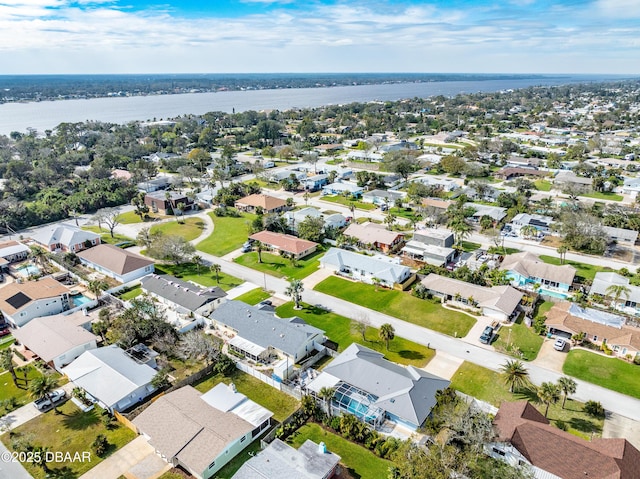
(397, 291)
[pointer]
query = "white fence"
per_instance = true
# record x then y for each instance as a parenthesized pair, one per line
(257, 374)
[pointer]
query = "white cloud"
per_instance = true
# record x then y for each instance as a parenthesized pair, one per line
(622, 9)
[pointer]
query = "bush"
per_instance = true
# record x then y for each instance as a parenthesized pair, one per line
(538, 325)
(100, 445)
(594, 409)
(636, 360)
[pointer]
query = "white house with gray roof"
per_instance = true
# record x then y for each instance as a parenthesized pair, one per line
(182, 296)
(364, 268)
(375, 389)
(65, 238)
(260, 335)
(628, 302)
(294, 218)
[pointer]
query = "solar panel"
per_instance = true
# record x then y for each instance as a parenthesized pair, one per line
(18, 300)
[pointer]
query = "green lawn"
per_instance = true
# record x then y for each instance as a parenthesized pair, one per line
(519, 336)
(228, 234)
(106, 236)
(131, 218)
(611, 373)
(20, 392)
(470, 247)
(360, 462)
(487, 385)
(70, 432)
(132, 293)
(236, 463)
(347, 202)
(408, 213)
(189, 230)
(203, 276)
(280, 404)
(280, 267)
(603, 196)
(542, 185)
(399, 304)
(6, 342)
(543, 308)
(342, 331)
(254, 296)
(586, 271)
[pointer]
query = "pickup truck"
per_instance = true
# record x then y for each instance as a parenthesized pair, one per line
(487, 335)
(45, 403)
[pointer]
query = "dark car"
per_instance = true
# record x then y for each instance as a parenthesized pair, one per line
(4, 332)
(487, 335)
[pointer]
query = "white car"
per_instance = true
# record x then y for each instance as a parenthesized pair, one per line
(559, 344)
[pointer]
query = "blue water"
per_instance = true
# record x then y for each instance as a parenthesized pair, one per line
(553, 294)
(28, 270)
(80, 299)
(49, 114)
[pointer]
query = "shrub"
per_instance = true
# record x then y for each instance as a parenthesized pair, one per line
(100, 445)
(594, 409)
(636, 360)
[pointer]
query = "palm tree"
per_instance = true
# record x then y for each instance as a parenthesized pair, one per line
(617, 290)
(326, 394)
(376, 281)
(528, 231)
(387, 333)
(6, 362)
(515, 375)
(567, 386)
(43, 386)
(259, 248)
(197, 260)
(461, 229)
(215, 268)
(562, 251)
(548, 393)
(38, 255)
(390, 220)
(294, 291)
(97, 286)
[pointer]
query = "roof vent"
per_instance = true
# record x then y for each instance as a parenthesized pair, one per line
(322, 448)
(232, 388)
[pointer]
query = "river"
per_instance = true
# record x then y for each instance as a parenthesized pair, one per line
(48, 114)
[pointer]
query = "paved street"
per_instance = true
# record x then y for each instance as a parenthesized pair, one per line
(11, 469)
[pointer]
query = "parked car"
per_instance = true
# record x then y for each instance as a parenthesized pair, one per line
(45, 403)
(4, 332)
(266, 302)
(560, 344)
(487, 335)
(246, 247)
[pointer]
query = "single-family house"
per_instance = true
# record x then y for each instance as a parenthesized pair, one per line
(377, 390)
(167, 202)
(181, 296)
(278, 176)
(154, 184)
(294, 218)
(21, 302)
(539, 222)
(202, 432)
(428, 253)
(281, 461)
(380, 269)
(569, 177)
(441, 237)
(65, 238)
(260, 335)
(496, 213)
(113, 378)
(57, 339)
(629, 300)
(445, 184)
(383, 197)
(631, 186)
(11, 252)
(437, 204)
(621, 235)
(285, 244)
(268, 204)
(341, 188)
(364, 155)
(526, 270)
(497, 302)
(520, 161)
(567, 319)
(315, 182)
(511, 172)
(374, 236)
(486, 193)
(116, 263)
(525, 438)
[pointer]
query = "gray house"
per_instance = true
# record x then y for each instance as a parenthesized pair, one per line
(181, 295)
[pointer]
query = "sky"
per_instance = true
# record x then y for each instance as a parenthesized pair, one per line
(247, 36)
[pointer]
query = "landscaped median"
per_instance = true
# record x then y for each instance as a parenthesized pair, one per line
(280, 267)
(344, 331)
(229, 233)
(607, 372)
(399, 304)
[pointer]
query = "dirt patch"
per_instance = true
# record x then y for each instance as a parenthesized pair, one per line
(551, 241)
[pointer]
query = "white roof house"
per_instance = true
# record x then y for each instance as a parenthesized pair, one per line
(66, 238)
(111, 377)
(365, 268)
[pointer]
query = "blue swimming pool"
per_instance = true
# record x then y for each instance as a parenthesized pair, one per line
(27, 270)
(80, 299)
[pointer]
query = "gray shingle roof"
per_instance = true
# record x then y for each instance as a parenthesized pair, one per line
(265, 329)
(184, 294)
(383, 270)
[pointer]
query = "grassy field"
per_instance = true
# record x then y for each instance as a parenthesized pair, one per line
(20, 392)
(131, 218)
(360, 462)
(603, 196)
(106, 236)
(132, 293)
(470, 247)
(280, 267)
(228, 234)
(342, 331)
(610, 373)
(400, 305)
(203, 276)
(407, 213)
(254, 296)
(341, 200)
(487, 385)
(70, 432)
(189, 230)
(586, 271)
(542, 185)
(521, 337)
(280, 404)
(236, 463)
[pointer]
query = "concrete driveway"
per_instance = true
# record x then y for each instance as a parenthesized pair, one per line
(549, 358)
(443, 365)
(127, 458)
(618, 426)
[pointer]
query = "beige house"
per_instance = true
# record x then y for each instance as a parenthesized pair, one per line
(269, 204)
(116, 263)
(288, 244)
(374, 236)
(21, 302)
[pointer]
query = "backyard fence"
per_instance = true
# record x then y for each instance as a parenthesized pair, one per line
(257, 374)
